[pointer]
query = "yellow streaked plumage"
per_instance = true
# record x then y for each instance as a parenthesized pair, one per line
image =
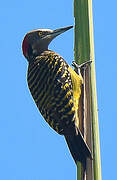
(56, 76)
(77, 81)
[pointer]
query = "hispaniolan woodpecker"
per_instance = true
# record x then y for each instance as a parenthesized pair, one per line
(55, 88)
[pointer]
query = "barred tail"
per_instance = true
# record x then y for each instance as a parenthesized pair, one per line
(78, 148)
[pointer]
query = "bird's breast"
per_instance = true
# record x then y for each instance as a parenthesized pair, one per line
(51, 87)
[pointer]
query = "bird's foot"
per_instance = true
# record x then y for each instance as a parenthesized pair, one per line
(81, 66)
(85, 64)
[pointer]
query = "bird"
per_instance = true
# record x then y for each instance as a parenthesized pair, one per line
(55, 88)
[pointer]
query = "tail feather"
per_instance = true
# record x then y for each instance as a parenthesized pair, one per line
(78, 148)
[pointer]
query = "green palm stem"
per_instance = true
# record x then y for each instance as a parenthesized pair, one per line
(84, 51)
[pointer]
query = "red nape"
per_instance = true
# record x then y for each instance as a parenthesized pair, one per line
(25, 46)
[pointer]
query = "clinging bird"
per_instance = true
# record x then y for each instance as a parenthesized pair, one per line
(55, 88)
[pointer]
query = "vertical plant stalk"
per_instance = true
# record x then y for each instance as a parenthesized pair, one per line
(84, 51)
(95, 127)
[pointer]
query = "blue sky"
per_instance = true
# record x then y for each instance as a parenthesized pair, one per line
(29, 148)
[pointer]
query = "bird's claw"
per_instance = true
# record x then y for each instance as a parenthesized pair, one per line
(75, 65)
(83, 65)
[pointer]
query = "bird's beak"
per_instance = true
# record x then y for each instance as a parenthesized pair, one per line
(50, 36)
(59, 31)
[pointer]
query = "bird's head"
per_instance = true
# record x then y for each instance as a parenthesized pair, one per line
(37, 41)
